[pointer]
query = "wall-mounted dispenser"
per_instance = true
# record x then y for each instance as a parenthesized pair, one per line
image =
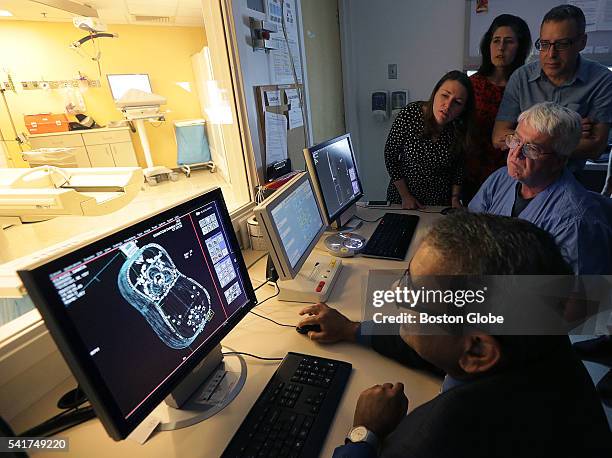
(261, 34)
(380, 105)
(399, 99)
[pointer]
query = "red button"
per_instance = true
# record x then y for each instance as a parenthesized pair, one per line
(320, 286)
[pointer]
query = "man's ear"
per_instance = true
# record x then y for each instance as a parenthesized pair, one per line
(582, 41)
(481, 353)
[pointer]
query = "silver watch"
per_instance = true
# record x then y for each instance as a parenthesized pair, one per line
(362, 434)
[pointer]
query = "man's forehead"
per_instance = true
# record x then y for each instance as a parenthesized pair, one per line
(530, 135)
(566, 28)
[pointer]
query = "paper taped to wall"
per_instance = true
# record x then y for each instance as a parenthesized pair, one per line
(276, 137)
(273, 98)
(295, 118)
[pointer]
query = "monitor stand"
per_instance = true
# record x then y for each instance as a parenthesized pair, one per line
(314, 281)
(207, 390)
(347, 222)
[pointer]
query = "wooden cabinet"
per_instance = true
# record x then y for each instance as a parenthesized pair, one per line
(100, 156)
(123, 153)
(106, 147)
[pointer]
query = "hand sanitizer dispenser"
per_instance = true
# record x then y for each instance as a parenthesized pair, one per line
(380, 105)
(399, 99)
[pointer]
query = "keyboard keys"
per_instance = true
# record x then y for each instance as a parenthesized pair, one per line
(391, 238)
(288, 419)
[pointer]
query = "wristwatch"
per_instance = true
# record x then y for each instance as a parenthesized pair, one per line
(362, 434)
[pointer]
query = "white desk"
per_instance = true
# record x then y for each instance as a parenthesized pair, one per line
(255, 335)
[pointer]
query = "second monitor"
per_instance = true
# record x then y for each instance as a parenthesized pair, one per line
(332, 168)
(292, 223)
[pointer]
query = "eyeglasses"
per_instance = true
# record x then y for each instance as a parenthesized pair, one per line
(528, 150)
(559, 45)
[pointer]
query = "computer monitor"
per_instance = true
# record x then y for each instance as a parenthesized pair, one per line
(333, 170)
(136, 311)
(121, 83)
(292, 223)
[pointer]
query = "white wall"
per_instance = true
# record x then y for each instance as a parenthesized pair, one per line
(322, 46)
(423, 37)
(256, 68)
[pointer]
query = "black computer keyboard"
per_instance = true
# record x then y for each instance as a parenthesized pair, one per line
(392, 237)
(295, 410)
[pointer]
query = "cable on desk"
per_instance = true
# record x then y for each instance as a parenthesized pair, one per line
(264, 284)
(268, 298)
(61, 422)
(270, 319)
(251, 355)
(367, 220)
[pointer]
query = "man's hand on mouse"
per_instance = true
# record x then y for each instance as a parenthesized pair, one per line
(335, 327)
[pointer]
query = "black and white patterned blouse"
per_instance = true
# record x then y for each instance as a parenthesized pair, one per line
(429, 167)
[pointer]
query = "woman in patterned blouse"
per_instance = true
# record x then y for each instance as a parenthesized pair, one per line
(425, 147)
(504, 48)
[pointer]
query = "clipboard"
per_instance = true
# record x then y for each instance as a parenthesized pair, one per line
(296, 137)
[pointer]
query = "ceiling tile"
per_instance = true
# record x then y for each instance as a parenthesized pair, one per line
(188, 12)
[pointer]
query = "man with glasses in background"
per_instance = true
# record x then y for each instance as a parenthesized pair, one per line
(537, 187)
(565, 77)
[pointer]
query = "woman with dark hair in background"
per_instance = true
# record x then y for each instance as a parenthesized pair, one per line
(504, 48)
(425, 147)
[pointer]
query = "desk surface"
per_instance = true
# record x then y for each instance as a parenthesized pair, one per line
(255, 335)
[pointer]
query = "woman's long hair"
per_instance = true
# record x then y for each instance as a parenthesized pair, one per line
(520, 29)
(464, 125)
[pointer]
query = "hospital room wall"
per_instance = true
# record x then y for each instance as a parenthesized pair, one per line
(424, 38)
(33, 51)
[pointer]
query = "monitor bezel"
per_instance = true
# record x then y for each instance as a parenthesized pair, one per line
(312, 171)
(275, 247)
(110, 86)
(66, 336)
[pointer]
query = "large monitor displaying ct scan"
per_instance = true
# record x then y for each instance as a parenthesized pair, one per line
(136, 311)
(333, 170)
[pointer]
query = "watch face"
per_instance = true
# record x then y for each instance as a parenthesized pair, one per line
(358, 434)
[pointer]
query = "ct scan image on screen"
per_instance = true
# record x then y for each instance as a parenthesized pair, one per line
(144, 305)
(337, 175)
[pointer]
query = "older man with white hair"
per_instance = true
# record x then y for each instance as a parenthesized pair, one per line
(536, 186)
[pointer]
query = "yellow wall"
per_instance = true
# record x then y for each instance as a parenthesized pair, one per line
(322, 46)
(39, 50)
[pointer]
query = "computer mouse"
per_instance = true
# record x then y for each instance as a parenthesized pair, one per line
(308, 327)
